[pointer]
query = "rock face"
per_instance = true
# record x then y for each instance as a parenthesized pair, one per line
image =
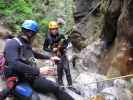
(83, 7)
(111, 56)
(116, 33)
(2, 45)
(3, 30)
(86, 83)
(86, 22)
(109, 30)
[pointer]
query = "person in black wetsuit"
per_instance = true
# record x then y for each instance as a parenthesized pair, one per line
(51, 44)
(20, 61)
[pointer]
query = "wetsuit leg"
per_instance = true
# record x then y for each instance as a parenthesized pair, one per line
(67, 70)
(60, 73)
(44, 85)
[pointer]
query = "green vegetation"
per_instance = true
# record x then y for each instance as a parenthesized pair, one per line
(14, 12)
(104, 6)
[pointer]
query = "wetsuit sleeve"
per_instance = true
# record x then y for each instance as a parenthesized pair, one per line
(12, 56)
(40, 56)
(46, 45)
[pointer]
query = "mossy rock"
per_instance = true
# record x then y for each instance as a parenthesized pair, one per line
(113, 72)
(79, 44)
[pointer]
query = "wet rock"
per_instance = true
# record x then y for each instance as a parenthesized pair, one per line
(4, 30)
(118, 93)
(87, 25)
(119, 83)
(109, 30)
(88, 85)
(117, 33)
(83, 7)
(89, 56)
(113, 72)
(46, 97)
(2, 45)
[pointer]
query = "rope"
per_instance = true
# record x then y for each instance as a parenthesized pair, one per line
(110, 79)
(85, 17)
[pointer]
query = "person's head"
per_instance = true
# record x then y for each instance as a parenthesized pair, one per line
(60, 22)
(53, 28)
(29, 28)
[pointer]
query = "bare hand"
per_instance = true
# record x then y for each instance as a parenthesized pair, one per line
(55, 49)
(55, 58)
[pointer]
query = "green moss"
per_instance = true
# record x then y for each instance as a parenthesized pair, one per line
(104, 6)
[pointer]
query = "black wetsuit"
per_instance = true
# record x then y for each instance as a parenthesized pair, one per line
(19, 58)
(63, 65)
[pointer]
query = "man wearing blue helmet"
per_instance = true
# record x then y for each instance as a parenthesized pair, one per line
(20, 61)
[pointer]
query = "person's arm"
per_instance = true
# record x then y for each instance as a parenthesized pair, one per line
(12, 56)
(40, 56)
(46, 46)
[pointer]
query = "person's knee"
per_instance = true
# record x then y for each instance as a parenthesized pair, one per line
(45, 85)
(68, 74)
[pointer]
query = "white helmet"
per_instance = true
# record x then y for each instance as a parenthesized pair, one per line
(60, 21)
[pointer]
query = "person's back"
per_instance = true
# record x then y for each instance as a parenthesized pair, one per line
(18, 53)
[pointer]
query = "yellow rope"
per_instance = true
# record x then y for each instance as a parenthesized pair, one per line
(89, 13)
(108, 79)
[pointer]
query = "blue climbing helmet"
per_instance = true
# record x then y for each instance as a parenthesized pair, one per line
(30, 25)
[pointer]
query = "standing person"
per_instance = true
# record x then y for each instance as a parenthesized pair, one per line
(61, 23)
(51, 44)
(20, 61)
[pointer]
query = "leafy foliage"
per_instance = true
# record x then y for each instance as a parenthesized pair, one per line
(14, 12)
